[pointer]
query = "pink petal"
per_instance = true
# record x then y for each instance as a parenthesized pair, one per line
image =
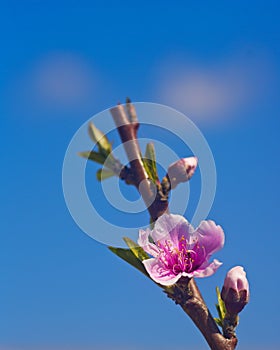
(159, 274)
(181, 170)
(236, 279)
(144, 242)
(207, 269)
(171, 227)
(210, 236)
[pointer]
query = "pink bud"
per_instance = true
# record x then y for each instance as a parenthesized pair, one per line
(235, 292)
(182, 170)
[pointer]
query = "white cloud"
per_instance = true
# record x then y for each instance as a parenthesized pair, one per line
(56, 82)
(213, 92)
(62, 79)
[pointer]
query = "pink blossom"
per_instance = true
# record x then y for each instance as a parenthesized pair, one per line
(235, 292)
(182, 170)
(180, 250)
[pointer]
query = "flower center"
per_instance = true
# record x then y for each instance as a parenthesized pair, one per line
(182, 257)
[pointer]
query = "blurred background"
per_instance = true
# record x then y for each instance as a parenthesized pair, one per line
(64, 61)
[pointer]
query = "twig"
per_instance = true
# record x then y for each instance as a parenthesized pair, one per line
(136, 174)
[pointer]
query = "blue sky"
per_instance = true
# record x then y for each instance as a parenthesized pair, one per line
(61, 63)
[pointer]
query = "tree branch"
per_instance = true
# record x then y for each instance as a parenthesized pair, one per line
(185, 292)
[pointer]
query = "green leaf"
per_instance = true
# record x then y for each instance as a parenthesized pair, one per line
(111, 162)
(218, 321)
(128, 256)
(94, 156)
(149, 162)
(221, 304)
(138, 251)
(103, 174)
(98, 137)
(221, 309)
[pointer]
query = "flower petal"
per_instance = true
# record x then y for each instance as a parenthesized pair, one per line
(207, 269)
(236, 279)
(144, 242)
(181, 170)
(210, 236)
(159, 274)
(171, 227)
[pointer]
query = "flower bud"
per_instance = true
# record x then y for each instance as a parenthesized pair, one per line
(182, 170)
(235, 292)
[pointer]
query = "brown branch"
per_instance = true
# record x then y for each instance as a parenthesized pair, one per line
(185, 293)
(136, 174)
